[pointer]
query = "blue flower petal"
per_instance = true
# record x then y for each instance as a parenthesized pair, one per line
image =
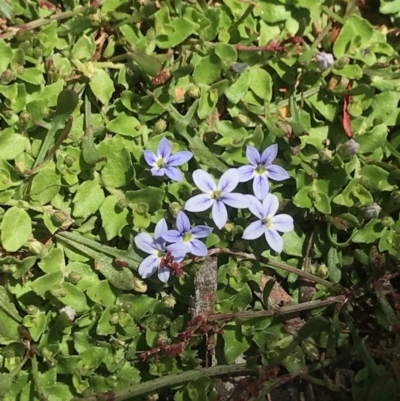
(274, 240)
(159, 172)
(149, 266)
(182, 223)
(256, 207)
(164, 149)
(260, 186)
(173, 173)
(277, 173)
(219, 214)
(172, 236)
(269, 154)
(161, 227)
(254, 230)
(253, 155)
(199, 203)
(271, 205)
(145, 243)
(236, 200)
(179, 250)
(246, 173)
(163, 274)
(229, 180)
(150, 158)
(204, 181)
(197, 248)
(201, 231)
(283, 223)
(179, 158)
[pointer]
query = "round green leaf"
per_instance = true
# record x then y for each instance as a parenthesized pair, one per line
(45, 186)
(88, 199)
(114, 219)
(16, 228)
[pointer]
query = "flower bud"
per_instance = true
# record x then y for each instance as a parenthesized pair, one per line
(323, 270)
(364, 180)
(74, 277)
(372, 211)
(351, 147)
(229, 227)
(59, 216)
(169, 301)
(160, 126)
(24, 117)
(194, 91)
(342, 62)
(324, 60)
(174, 209)
(63, 293)
(141, 208)
(37, 248)
(314, 196)
(37, 52)
(69, 160)
(20, 69)
(139, 285)
(71, 312)
(114, 318)
(121, 202)
(395, 196)
(244, 120)
(7, 77)
(325, 155)
(21, 168)
(387, 221)
(32, 310)
(126, 306)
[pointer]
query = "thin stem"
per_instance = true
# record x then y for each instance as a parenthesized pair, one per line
(333, 15)
(108, 64)
(274, 264)
(172, 380)
(339, 244)
(43, 21)
(278, 311)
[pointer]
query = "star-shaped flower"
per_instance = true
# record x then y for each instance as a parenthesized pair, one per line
(163, 163)
(269, 222)
(217, 196)
(261, 169)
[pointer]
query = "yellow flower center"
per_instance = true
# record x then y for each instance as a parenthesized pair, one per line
(267, 222)
(160, 163)
(216, 194)
(260, 169)
(187, 237)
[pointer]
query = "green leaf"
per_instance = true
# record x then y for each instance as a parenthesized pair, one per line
(46, 283)
(11, 144)
(102, 294)
(125, 125)
(102, 85)
(235, 342)
(8, 306)
(84, 48)
(16, 229)
(208, 70)
(294, 242)
(53, 261)
(45, 186)
(376, 178)
(239, 88)
(73, 297)
(372, 140)
(113, 217)
(118, 170)
(8, 329)
(148, 64)
(227, 53)
(5, 51)
(351, 71)
(88, 199)
(150, 196)
(260, 83)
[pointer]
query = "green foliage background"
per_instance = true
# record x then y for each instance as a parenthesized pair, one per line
(86, 88)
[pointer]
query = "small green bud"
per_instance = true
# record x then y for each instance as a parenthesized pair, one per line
(122, 203)
(21, 168)
(63, 293)
(60, 217)
(325, 155)
(387, 221)
(364, 180)
(7, 77)
(395, 196)
(37, 52)
(174, 209)
(194, 91)
(32, 310)
(311, 350)
(8, 114)
(37, 248)
(114, 318)
(126, 306)
(71, 312)
(361, 256)
(25, 117)
(229, 227)
(244, 120)
(139, 285)
(169, 301)
(314, 196)
(372, 211)
(160, 126)
(342, 62)
(74, 277)
(20, 69)
(323, 270)
(141, 208)
(69, 160)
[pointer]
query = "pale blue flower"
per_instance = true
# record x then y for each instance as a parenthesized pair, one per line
(261, 169)
(324, 60)
(163, 163)
(269, 222)
(185, 239)
(156, 248)
(217, 196)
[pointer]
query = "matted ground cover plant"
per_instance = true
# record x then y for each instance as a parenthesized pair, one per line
(199, 200)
